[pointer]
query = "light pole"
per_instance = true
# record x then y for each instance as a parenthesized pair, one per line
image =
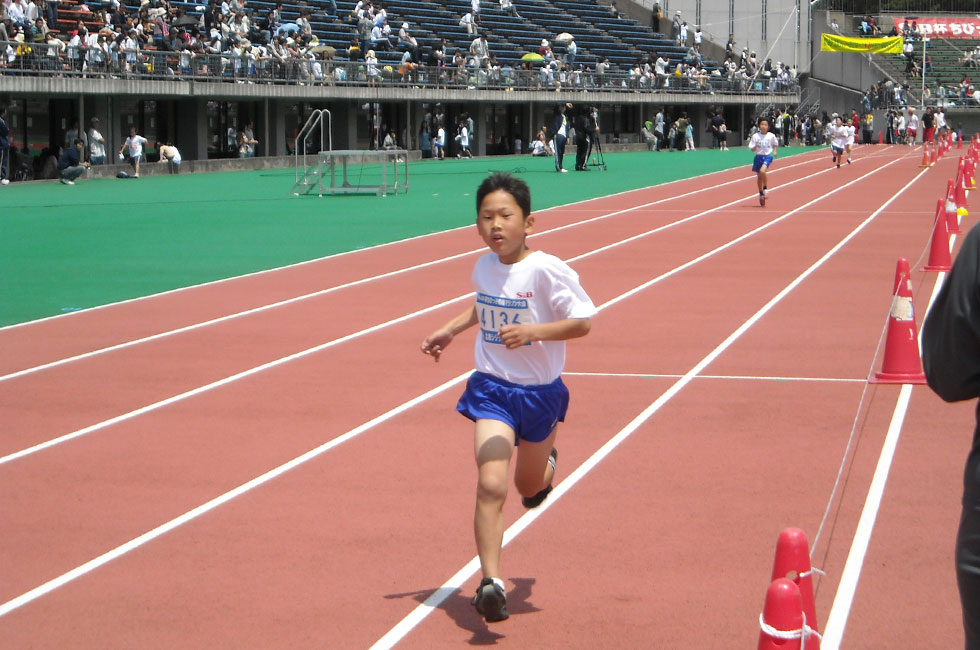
(925, 39)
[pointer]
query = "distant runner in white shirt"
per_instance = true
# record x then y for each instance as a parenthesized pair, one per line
(763, 144)
(849, 129)
(838, 140)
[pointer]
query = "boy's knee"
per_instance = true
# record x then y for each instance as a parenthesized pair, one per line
(491, 487)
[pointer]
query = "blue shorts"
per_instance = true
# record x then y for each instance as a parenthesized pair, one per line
(760, 161)
(531, 411)
(837, 149)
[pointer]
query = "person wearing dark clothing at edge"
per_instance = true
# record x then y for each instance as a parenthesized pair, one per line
(951, 359)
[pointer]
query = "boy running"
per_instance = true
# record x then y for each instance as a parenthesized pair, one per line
(838, 140)
(763, 144)
(527, 304)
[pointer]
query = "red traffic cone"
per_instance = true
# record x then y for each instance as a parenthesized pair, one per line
(781, 623)
(793, 562)
(959, 143)
(934, 157)
(959, 196)
(902, 364)
(939, 259)
(881, 137)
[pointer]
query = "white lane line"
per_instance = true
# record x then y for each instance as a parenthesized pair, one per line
(844, 597)
(840, 610)
(303, 353)
(190, 515)
(354, 283)
(645, 375)
(416, 616)
(512, 532)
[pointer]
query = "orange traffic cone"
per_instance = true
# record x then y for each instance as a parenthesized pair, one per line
(902, 364)
(939, 259)
(881, 137)
(952, 218)
(782, 622)
(934, 158)
(925, 156)
(793, 562)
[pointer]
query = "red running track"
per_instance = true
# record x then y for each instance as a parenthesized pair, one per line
(153, 496)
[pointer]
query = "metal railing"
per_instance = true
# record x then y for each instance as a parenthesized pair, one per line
(315, 121)
(247, 67)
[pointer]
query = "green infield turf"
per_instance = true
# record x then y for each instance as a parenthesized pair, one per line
(65, 248)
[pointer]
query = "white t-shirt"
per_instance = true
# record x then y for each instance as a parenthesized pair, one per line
(763, 145)
(914, 122)
(135, 145)
(539, 289)
(96, 143)
(174, 156)
(850, 134)
(940, 120)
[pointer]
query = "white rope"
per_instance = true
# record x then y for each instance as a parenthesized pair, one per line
(807, 574)
(789, 635)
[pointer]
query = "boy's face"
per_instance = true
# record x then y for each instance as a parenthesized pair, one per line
(503, 226)
(764, 126)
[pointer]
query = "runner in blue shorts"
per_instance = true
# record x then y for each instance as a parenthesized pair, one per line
(763, 144)
(527, 304)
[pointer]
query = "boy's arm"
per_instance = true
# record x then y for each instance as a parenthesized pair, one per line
(515, 336)
(435, 343)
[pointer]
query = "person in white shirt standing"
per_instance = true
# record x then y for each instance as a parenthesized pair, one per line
(763, 144)
(940, 121)
(913, 127)
(96, 143)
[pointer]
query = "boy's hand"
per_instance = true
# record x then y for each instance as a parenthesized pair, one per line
(435, 343)
(515, 336)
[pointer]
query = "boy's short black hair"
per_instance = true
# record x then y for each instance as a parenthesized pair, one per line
(513, 186)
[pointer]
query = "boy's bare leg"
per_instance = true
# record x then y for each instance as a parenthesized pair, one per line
(533, 472)
(493, 445)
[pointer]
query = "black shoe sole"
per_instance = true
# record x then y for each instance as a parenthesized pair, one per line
(491, 603)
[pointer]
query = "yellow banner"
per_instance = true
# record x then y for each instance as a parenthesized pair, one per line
(835, 43)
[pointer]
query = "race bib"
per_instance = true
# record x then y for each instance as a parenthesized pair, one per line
(495, 312)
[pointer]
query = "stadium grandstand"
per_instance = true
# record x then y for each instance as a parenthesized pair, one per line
(197, 75)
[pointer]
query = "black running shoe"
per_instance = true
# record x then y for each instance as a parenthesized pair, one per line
(538, 499)
(490, 601)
